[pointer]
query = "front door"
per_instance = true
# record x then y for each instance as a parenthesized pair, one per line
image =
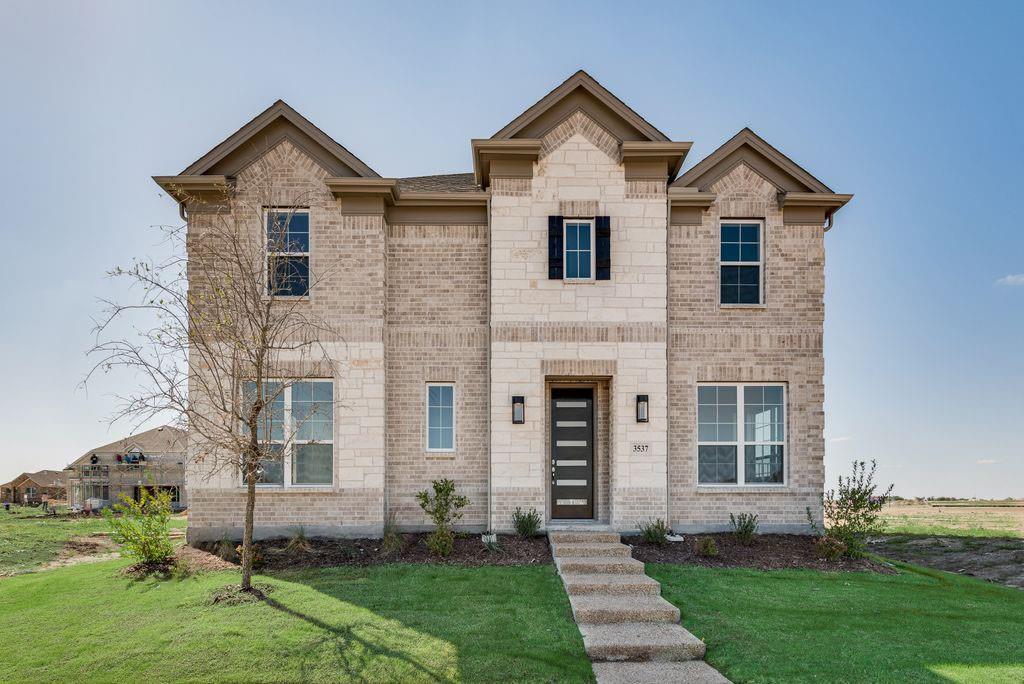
(572, 453)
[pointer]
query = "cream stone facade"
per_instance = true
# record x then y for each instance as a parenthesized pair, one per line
(463, 281)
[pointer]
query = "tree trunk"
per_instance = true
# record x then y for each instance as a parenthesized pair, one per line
(250, 507)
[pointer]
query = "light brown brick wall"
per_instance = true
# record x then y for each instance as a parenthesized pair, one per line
(436, 332)
(779, 342)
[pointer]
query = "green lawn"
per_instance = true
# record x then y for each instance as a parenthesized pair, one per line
(28, 538)
(803, 626)
(409, 623)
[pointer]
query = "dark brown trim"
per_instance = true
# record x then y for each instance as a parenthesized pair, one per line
(580, 80)
(687, 206)
(522, 152)
(267, 118)
(747, 147)
(653, 160)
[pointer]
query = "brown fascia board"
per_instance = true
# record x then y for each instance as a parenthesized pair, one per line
(690, 197)
(183, 188)
(439, 208)
(812, 208)
(581, 79)
(673, 153)
(441, 199)
(385, 188)
(698, 176)
(261, 121)
(485, 150)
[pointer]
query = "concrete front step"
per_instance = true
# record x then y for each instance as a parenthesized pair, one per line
(566, 549)
(606, 609)
(641, 641)
(689, 671)
(616, 565)
(627, 585)
(577, 537)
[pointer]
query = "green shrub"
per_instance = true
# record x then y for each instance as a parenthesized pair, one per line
(706, 546)
(444, 508)
(655, 531)
(744, 526)
(226, 550)
(141, 526)
(830, 548)
(852, 510)
(526, 524)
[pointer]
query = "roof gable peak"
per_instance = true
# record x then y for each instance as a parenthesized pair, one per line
(277, 122)
(581, 92)
(751, 149)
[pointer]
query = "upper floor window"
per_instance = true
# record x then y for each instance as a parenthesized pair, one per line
(440, 417)
(579, 251)
(297, 430)
(741, 434)
(741, 259)
(287, 251)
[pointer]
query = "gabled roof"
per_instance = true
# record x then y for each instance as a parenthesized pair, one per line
(158, 440)
(279, 121)
(581, 92)
(749, 148)
(43, 478)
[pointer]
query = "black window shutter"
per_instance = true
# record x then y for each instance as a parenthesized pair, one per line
(603, 257)
(554, 247)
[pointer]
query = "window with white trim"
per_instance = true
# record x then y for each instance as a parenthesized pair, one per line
(578, 251)
(297, 428)
(287, 232)
(740, 262)
(440, 416)
(741, 434)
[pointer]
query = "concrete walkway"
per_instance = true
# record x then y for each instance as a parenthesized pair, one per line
(631, 633)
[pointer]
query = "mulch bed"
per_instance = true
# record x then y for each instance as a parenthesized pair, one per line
(318, 552)
(767, 552)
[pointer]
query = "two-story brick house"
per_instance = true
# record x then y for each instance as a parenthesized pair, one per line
(572, 327)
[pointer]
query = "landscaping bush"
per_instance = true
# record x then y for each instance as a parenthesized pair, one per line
(526, 524)
(655, 531)
(391, 541)
(852, 510)
(705, 546)
(299, 543)
(444, 508)
(226, 550)
(141, 526)
(744, 526)
(830, 548)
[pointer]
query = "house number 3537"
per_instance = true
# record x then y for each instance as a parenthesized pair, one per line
(641, 447)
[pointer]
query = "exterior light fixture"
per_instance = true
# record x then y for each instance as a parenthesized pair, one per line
(641, 408)
(518, 410)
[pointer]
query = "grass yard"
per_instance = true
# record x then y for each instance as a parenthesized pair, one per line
(955, 518)
(29, 538)
(409, 623)
(804, 625)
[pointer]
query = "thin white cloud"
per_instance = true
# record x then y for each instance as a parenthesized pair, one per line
(845, 438)
(987, 461)
(1012, 279)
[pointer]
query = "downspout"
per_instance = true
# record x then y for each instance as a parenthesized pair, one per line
(829, 220)
(668, 370)
(490, 497)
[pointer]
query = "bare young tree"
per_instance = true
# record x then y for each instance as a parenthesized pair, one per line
(222, 330)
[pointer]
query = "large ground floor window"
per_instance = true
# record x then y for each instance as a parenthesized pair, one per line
(297, 430)
(741, 434)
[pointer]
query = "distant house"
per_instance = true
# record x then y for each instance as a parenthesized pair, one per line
(153, 460)
(34, 488)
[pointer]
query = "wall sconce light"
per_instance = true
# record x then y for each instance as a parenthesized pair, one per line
(518, 410)
(641, 408)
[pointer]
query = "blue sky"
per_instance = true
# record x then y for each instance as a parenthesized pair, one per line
(914, 107)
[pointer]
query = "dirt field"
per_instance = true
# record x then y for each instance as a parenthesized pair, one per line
(981, 539)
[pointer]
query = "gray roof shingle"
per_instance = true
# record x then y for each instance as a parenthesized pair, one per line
(447, 182)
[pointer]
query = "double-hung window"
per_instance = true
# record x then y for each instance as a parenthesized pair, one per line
(296, 428)
(579, 251)
(287, 252)
(741, 434)
(741, 261)
(440, 417)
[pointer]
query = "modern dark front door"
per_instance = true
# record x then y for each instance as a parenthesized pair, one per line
(572, 453)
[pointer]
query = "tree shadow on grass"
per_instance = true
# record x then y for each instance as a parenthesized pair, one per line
(354, 652)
